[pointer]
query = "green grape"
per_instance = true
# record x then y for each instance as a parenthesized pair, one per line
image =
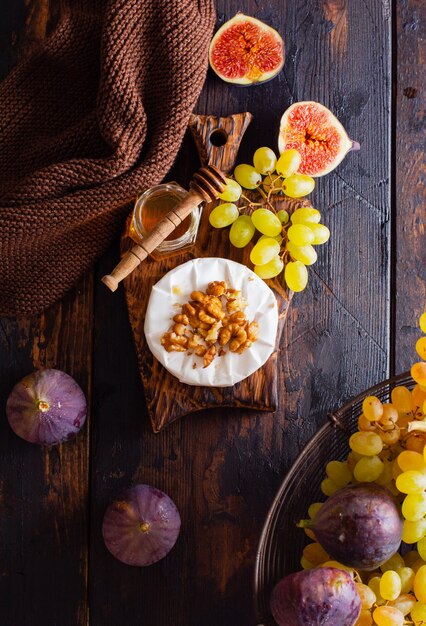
(386, 475)
(314, 508)
(412, 532)
(270, 269)
(264, 251)
(394, 562)
(328, 486)
(296, 276)
(421, 347)
(264, 160)
(270, 187)
(266, 222)
(247, 176)
(305, 254)
(223, 215)
(367, 595)
(241, 231)
(306, 215)
(406, 575)
(401, 399)
(420, 584)
(283, 216)
(298, 185)
(372, 408)
(390, 585)
(366, 443)
(232, 191)
(418, 614)
(414, 507)
(289, 162)
(422, 322)
(421, 547)
(374, 584)
(388, 616)
(321, 234)
(410, 460)
(368, 469)
(338, 472)
(277, 238)
(411, 482)
(300, 235)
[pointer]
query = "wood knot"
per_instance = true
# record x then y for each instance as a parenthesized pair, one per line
(410, 92)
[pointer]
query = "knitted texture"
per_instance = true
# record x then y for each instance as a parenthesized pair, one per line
(86, 124)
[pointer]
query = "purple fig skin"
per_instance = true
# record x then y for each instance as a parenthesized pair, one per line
(324, 596)
(46, 407)
(360, 526)
(142, 527)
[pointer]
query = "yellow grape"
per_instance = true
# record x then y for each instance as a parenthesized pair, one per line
(414, 507)
(422, 322)
(321, 234)
(264, 160)
(247, 176)
(283, 216)
(421, 547)
(396, 470)
(310, 533)
(288, 163)
(406, 575)
(386, 475)
(390, 437)
(411, 481)
(306, 215)
(411, 557)
(339, 473)
(393, 563)
(298, 185)
(401, 399)
(266, 222)
(404, 603)
(296, 276)
(264, 251)
(418, 564)
(365, 618)
(367, 595)
(412, 532)
(420, 584)
(390, 413)
(418, 396)
(367, 444)
(390, 585)
(315, 553)
(241, 231)
(306, 564)
(315, 507)
(418, 614)
(421, 347)
(223, 215)
(271, 186)
(416, 442)
(368, 469)
(300, 235)
(271, 269)
(418, 372)
(409, 460)
(365, 424)
(338, 565)
(328, 487)
(304, 254)
(372, 408)
(374, 584)
(232, 191)
(388, 616)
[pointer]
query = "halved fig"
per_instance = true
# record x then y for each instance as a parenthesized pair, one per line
(313, 130)
(245, 51)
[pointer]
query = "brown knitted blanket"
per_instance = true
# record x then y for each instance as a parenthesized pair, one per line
(88, 122)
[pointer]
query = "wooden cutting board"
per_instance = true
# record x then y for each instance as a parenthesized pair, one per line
(166, 397)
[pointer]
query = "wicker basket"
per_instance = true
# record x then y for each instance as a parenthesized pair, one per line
(281, 542)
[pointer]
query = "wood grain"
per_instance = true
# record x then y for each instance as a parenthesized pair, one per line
(410, 180)
(223, 467)
(44, 492)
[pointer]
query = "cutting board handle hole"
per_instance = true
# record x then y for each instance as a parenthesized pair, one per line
(218, 137)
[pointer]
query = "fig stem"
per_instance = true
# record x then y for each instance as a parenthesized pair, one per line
(144, 527)
(305, 523)
(355, 146)
(42, 406)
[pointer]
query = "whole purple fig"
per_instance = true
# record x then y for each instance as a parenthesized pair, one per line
(324, 596)
(359, 525)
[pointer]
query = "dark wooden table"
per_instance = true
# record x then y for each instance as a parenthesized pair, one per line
(352, 327)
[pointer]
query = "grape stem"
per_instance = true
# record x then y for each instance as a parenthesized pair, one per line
(305, 523)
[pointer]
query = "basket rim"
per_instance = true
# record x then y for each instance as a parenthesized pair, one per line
(333, 421)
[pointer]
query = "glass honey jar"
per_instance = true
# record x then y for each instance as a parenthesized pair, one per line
(152, 206)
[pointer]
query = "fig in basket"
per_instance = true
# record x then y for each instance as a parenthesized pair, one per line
(317, 597)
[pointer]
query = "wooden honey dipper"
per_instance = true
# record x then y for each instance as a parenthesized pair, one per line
(205, 186)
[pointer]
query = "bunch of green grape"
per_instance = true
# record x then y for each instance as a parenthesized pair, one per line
(389, 448)
(286, 240)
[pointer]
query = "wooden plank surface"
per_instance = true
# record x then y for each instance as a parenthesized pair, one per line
(43, 492)
(223, 468)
